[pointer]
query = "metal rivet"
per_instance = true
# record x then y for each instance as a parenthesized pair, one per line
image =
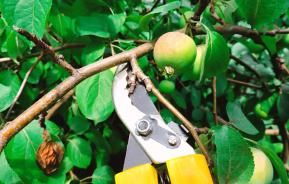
(172, 140)
(144, 127)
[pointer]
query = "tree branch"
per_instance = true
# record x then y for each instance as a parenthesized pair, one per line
(58, 104)
(244, 83)
(241, 30)
(57, 58)
(214, 89)
(202, 6)
(36, 54)
(13, 127)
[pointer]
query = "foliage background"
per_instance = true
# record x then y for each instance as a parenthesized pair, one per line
(87, 126)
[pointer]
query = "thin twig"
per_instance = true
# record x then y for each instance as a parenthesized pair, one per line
(244, 83)
(202, 130)
(137, 71)
(214, 88)
(6, 59)
(214, 14)
(273, 132)
(22, 86)
(58, 58)
(249, 67)
(202, 6)
(36, 54)
(58, 104)
(154, 5)
(183, 119)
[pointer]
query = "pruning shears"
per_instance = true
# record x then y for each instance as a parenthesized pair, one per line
(156, 152)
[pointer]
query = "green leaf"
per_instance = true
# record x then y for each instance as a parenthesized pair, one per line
(78, 123)
(102, 157)
(52, 128)
(8, 10)
(103, 175)
(263, 108)
(276, 162)
(239, 120)
(196, 97)
(101, 25)
(79, 152)
(94, 97)
(144, 22)
(91, 53)
(179, 99)
(234, 160)
(7, 175)
(217, 55)
(8, 88)
(63, 25)
(15, 45)
(261, 12)
(271, 43)
(21, 153)
(33, 19)
(35, 75)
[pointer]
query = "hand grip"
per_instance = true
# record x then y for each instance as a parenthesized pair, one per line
(191, 169)
(143, 174)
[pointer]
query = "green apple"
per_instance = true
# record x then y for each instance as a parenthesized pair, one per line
(175, 50)
(263, 170)
(167, 86)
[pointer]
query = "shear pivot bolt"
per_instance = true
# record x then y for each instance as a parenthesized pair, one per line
(144, 127)
(172, 140)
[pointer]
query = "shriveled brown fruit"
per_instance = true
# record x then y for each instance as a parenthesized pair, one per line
(49, 156)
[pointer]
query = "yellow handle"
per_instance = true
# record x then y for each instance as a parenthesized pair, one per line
(143, 174)
(191, 169)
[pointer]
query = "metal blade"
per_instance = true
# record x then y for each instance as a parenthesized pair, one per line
(134, 154)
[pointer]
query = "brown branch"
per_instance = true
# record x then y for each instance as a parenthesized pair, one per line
(244, 83)
(36, 54)
(285, 140)
(202, 130)
(279, 65)
(137, 71)
(202, 6)
(214, 88)
(247, 32)
(154, 5)
(13, 127)
(22, 86)
(58, 104)
(57, 58)
(249, 67)
(273, 132)
(214, 14)
(6, 59)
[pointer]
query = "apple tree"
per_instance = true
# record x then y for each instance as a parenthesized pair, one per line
(220, 67)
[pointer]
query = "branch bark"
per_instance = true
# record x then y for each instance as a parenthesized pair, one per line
(13, 127)
(57, 58)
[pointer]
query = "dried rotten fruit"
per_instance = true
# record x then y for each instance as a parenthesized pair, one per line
(49, 156)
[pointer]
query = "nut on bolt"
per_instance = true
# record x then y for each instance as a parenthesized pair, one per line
(144, 127)
(173, 140)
